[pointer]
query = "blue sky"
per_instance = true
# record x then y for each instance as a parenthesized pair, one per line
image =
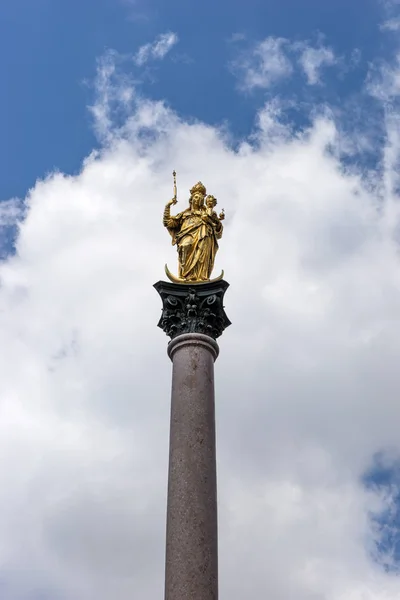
(290, 111)
(49, 52)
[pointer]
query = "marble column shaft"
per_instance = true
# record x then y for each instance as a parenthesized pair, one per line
(192, 537)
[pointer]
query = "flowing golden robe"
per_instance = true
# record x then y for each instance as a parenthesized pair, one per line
(195, 233)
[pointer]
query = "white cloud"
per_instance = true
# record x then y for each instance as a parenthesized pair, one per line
(391, 15)
(307, 378)
(238, 36)
(312, 60)
(391, 24)
(273, 60)
(10, 212)
(137, 11)
(264, 65)
(383, 82)
(157, 49)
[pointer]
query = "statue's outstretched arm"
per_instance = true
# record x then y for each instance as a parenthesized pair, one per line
(168, 220)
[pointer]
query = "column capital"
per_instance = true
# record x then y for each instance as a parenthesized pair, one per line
(193, 308)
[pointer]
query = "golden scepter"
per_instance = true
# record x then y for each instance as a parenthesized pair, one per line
(175, 188)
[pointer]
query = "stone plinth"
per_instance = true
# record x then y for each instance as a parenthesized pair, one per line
(193, 316)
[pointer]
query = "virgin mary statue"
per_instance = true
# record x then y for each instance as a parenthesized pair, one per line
(195, 232)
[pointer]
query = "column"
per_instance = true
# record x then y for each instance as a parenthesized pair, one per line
(193, 316)
(192, 536)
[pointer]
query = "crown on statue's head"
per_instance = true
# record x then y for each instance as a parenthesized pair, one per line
(199, 187)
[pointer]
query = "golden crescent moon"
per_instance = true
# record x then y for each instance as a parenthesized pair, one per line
(174, 279)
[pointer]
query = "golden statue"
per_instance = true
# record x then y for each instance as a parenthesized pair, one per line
(195, 232)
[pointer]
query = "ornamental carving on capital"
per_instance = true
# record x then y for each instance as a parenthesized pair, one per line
(197, 309)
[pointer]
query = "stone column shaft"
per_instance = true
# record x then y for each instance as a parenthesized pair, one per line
(192, 538)
(193, 316)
